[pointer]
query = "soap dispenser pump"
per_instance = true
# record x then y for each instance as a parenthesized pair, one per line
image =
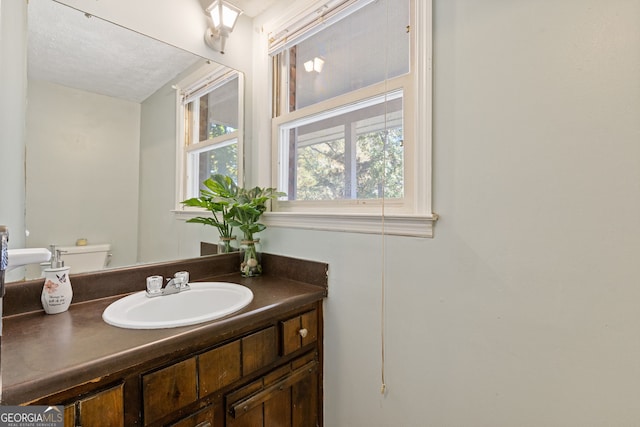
(57, 292)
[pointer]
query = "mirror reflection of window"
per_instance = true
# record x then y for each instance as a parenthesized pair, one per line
(211, 127)
(218, 110)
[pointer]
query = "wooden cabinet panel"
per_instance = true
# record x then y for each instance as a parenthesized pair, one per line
(70, 415)
(105, 408)
(251, 418)
(277, 410)
(219, 367)
(304, 401)
(298, 332)
(309, 323)
(203, 418)
(286, 401)
(259, 350)
(290, 335)
(168, 390)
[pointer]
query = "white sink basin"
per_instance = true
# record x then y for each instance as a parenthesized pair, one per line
(204, 302)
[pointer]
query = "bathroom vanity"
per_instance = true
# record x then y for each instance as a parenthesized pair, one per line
(259, 366)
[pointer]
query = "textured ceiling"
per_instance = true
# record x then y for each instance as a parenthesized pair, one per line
(68, 48)
(252, 8)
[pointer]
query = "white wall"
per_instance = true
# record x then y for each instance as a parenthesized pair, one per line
(157, 175)
(523, 310)
(13, 87)
(176, 239)
(82, 168)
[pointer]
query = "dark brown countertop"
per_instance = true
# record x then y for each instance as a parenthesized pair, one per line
(44, 354)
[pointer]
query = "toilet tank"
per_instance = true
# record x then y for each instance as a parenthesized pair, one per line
(86, 258)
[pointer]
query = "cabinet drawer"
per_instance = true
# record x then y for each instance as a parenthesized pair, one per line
(298, 332)
(102, 408)
(70, 415)
(219, 367)
(259, 350)
(168, 390)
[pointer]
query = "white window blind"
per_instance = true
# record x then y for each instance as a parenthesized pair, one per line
(207, 84)
(312, 21)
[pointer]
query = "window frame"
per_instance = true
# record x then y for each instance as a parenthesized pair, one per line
(414, 217)
(346, 205)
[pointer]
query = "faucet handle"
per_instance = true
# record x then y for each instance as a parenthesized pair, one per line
(154, 284)
(183, 277)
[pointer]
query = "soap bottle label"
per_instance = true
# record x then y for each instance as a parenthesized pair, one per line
(57, 292)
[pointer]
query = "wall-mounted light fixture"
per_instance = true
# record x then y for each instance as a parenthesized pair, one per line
(224, 16)
(314, 64)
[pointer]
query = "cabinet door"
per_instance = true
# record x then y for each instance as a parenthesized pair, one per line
(290, 400)
(168, 390)
(105, 408)
(304, 401)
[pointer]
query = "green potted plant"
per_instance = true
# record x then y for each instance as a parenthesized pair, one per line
(218, 196)
(245, 212)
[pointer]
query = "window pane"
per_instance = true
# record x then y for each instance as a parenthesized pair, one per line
(320, 172)
(355, 152)
(380, 164)
(352, 53)
(219, 111)
(221, 159)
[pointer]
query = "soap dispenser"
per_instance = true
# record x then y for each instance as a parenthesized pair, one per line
(57, 292)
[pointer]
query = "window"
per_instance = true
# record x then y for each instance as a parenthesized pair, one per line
(351, 116)
(352, 152)
(210, 131)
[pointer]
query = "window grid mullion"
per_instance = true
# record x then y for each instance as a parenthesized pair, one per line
(350, 156)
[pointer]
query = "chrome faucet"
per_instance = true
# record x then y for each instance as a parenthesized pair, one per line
(4, 255)
(174, 285)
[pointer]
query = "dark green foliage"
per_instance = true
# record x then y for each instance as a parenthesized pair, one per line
(217, 197)
(232, 206)
(248, 207)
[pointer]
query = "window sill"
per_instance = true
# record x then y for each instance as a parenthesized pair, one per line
(393, 225)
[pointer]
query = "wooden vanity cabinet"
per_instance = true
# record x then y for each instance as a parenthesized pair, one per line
(247, 381)
(268, 375)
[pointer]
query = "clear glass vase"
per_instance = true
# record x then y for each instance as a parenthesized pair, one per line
(227, 245)
(250, 258)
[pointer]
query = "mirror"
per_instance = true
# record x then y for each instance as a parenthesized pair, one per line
(101, 131)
